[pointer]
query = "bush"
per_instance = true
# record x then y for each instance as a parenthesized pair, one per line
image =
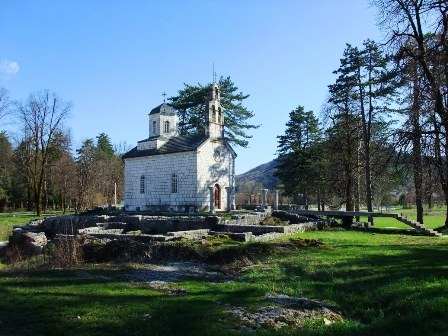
(64, 252)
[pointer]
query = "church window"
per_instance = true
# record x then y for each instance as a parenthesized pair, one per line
(167, 127)
(154, 127)
(142, 184)
(216, 93)
(219, 115)
(213, 113)
(174, 183)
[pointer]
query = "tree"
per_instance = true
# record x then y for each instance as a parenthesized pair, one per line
(418, 29)
(58, 184)
(5, 169)
(43, 115)
(22, 183)
(104, 145)
(4, 102)
(63, 177)
(85, 172)
(411, 133)
(343, 140)
(247, 193)
(342, 146)
(364, 78)
(191, 103)
(299, 155)
(99, 170)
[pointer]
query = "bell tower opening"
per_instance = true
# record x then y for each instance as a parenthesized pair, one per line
(215, 116)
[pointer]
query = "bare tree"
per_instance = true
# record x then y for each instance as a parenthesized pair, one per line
(4, 103)
(418, 29)
(43, 115)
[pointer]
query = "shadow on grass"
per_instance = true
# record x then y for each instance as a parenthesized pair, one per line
(61, 303)
(389, 290)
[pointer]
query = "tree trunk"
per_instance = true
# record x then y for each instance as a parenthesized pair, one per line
(416, 146)
(38, 202)
(366, 129)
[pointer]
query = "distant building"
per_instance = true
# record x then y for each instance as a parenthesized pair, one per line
(181, 173)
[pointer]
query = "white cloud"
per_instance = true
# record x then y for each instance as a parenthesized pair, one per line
(8, 68)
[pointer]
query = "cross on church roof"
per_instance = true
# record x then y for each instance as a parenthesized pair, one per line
(164, 95)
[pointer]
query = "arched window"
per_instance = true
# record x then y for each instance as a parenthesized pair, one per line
(216, 93)
(174, 183)
(154, 127)
(167, 127)
(213, 113)
(219, 115)
(142, 184)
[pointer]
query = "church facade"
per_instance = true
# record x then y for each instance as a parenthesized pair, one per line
(181, 173)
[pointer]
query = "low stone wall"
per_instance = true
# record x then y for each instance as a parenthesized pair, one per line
(266, 232)
(147, 224)
(70, 224)
(162, 225)
(190, 234)
(292, 218)
(248, 219)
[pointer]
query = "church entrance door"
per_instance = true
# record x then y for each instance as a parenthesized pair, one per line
(217, 197)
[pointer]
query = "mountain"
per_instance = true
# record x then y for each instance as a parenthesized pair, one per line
(263, 174)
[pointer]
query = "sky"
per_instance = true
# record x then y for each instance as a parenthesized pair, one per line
(113, 59)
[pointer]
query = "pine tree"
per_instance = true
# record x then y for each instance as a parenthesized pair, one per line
(104, 145)
(299, 154)
(191, 104)
(364, 84)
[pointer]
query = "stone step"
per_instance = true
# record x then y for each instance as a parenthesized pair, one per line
(418, 226)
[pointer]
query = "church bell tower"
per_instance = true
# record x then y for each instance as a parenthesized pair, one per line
(214, 127)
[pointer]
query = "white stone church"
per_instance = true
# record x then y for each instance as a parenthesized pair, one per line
(181, 173)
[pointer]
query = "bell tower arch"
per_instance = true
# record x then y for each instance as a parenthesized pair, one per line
(214, 127)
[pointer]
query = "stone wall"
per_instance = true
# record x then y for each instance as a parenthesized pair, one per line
(248, 219)
(158, 171)
(70, 224)
(211, 171)
(147, 224)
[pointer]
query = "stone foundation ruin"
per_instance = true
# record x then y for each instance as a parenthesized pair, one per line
(31, 239)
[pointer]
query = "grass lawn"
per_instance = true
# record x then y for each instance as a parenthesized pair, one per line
(383, 284)
(7, 221)
(433, 221)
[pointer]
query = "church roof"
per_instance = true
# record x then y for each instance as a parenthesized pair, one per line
(162, 108)
(185, 143)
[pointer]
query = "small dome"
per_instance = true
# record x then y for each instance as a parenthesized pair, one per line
(163, 109)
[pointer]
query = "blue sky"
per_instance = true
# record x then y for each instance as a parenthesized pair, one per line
(114, 59)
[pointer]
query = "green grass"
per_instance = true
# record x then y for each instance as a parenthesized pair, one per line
(432, 221)
(8, 221)
(383, 284)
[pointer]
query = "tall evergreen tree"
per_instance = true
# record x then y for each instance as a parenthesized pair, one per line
(365, 76)
(191, 103)
(104, 145)
(85, 170)
(298, 154)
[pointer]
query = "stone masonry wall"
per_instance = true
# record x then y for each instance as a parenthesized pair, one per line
(158, 171)
(212, 171)
(147, 224)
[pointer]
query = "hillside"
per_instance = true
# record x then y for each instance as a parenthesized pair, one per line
(263, 174)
